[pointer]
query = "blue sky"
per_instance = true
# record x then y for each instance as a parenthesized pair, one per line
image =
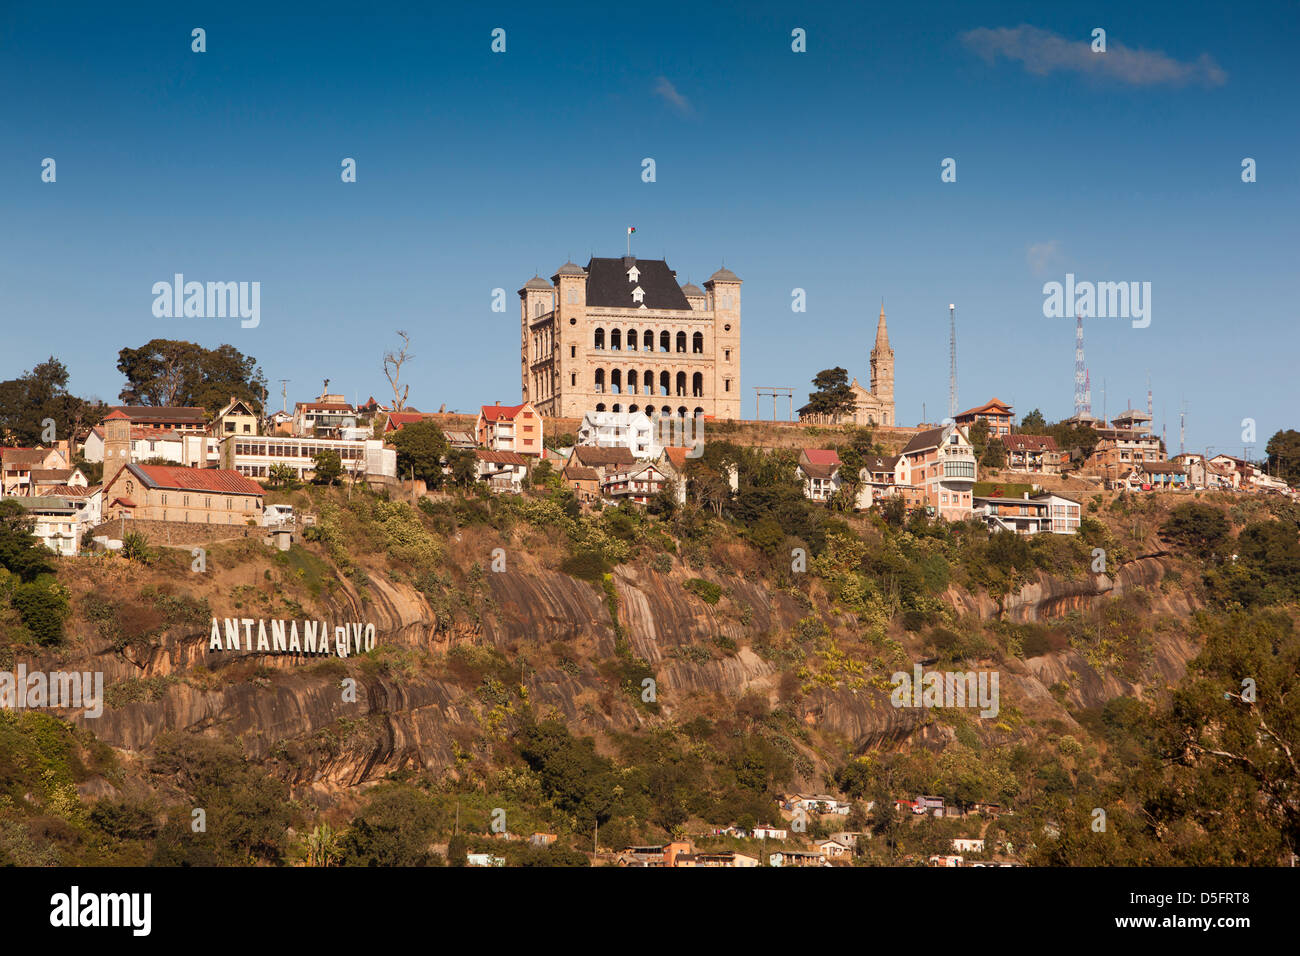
(818, 170)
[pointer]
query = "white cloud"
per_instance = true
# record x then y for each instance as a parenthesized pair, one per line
(1043, 257)
(669, 92)
(1043, 52)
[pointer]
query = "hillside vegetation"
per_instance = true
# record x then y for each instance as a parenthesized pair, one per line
(662, 673)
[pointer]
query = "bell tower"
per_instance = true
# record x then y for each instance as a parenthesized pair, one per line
(882, 367)
(117, 444)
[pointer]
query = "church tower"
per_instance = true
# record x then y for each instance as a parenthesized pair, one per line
(117, 444)
(882, 367)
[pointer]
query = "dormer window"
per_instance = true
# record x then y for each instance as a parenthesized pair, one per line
(634, 274)
(638, 294)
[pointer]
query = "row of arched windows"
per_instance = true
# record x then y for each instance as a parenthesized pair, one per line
(616, 382)
(628, 342)
(653, 412)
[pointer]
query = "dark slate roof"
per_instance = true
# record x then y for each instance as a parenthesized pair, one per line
(926, 439)
(571, 269)
(537, 282)
(608, 286)
(724, 275)
(692, 289)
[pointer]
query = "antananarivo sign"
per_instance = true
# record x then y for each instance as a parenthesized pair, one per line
(282, 637)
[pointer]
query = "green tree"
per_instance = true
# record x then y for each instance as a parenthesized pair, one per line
(327, 466)
(995, 454)
(1283, 451)
(1033, 423)
(1200, 528)
(43, 606)
(281, 475)
(395, 828)
(422, 448)
(833, 396)
(173, 372)
(30, 402)
(20, 551)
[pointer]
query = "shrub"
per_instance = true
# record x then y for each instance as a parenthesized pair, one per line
(706, 591)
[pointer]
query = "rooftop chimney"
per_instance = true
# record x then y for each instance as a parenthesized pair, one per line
(498, 401)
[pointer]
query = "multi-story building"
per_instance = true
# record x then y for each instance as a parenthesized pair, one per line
(995, 411)
(254, 457)
(631, 430)
(819, 470)
(1125, 445)
(940, 465)
(180, 418)
(323, 417)
(17, 465)
(169, 493)
(516, 428)
(639, 483)
(622, 335)
(1034, 454)
(239, 417)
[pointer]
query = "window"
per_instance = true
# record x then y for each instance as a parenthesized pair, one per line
(726, 385)
(726, 355)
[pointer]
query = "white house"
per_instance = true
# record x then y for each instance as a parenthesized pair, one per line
(961, 845)
(765, 832)
(631, 430)
(831, 849)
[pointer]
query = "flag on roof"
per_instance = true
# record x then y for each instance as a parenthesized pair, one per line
(631, 229)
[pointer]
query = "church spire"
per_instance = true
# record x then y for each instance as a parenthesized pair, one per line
(882, 330)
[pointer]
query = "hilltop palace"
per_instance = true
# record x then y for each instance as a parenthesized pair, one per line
(622, 335)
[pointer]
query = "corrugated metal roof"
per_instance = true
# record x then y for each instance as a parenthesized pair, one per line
(219, 480)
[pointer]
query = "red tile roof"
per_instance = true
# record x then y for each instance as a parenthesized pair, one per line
(821, 456)
(993, 405)
(1029, 442)
(496, 413)
(501, 457)
(219, 480)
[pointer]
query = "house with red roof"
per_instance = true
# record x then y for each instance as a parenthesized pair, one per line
(819, 470)
(1033, 454)
(516, 428)
(171, 493)
(995, 411)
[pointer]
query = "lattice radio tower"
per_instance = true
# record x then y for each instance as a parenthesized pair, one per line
(1082, 379)
(952, 360)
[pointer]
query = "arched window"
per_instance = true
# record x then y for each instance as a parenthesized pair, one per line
(665, 341)
(697, 343)
(600, 379)
(664, 385)
(631, 340)
(648, 340)
(615, 382)
(617, 408)
(697, 385)
(615, 340)
(600, 407)
(600, 338)
(631, 381)
(666, 410)
(632, 409)
(681, 383)
(699, 412)
(681, 341)
(681, 412)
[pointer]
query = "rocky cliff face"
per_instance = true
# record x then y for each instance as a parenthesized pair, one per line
(292, 713)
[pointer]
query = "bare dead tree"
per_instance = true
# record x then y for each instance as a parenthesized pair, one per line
(393, 362)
